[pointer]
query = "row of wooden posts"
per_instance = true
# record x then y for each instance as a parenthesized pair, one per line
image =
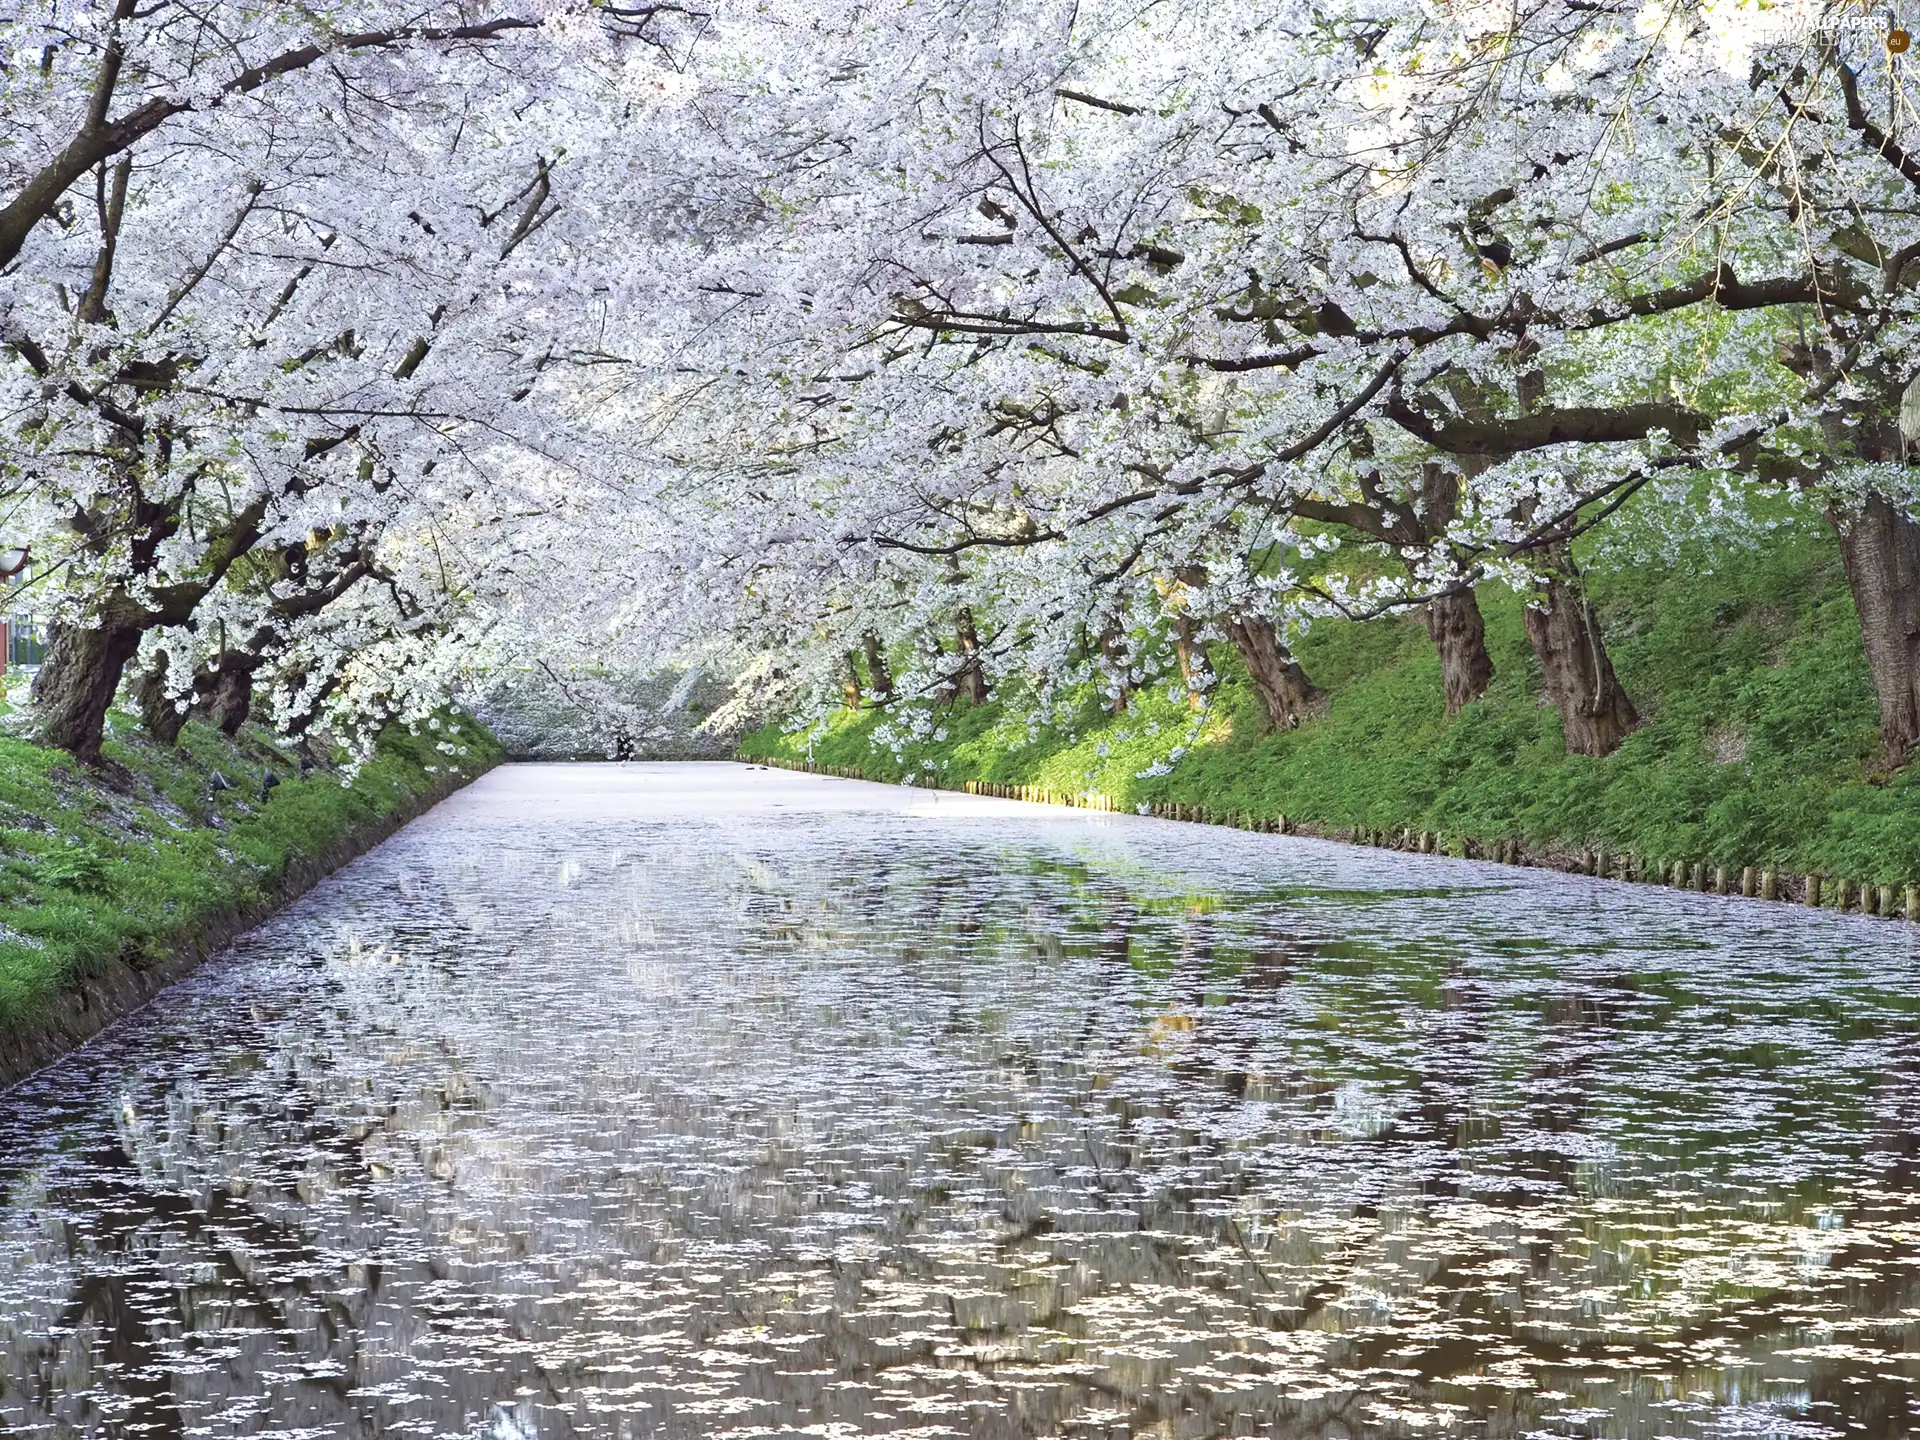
(1754, 881)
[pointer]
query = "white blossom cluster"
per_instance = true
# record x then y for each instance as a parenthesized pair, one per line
(913, 346)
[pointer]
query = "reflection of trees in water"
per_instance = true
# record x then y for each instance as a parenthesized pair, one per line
(887, 1134)
(1482, 1324)
(188, 1308)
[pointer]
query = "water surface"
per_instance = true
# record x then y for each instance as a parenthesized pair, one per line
(704, 1101)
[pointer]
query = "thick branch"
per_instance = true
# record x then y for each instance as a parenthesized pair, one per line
(1884, 145)
(1575, 425)
(1080, 97)
(100, 139)
(112, 205)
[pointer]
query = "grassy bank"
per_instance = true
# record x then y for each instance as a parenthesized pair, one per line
(93, 872)
(1744, 658)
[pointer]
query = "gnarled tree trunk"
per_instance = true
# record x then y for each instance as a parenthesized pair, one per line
(1880, 547)
(76, 684)
(1282, 685)
(1595, 713)
(231, 700)
(1460, 636)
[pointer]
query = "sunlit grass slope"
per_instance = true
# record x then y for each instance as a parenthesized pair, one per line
(1744, 658)
(92, 872)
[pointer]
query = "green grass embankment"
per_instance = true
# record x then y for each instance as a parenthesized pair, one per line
(1757, 746)
(98, 871)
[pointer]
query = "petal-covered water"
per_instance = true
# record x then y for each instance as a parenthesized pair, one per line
(706, 1101)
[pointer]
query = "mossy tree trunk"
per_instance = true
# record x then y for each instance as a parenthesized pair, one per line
(1880, 546)
(1595, 711)
(1284, 689)
(1459, 634)
(76, 685)
(85, 663)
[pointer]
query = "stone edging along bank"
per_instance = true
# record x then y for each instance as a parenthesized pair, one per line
(1755, 882)
(119, 988)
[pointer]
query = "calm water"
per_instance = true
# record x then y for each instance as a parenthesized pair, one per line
(701, 1101)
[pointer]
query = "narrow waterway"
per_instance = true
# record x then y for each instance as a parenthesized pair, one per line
(706, 1101)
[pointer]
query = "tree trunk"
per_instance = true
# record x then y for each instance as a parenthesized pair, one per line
(76, 685)
(1283, 686)
(231, 701)
(160, 712)
(1880, 547)
(1193, 662)
(972, 679)
(879, 677)
(1595, 713)
(1460, 635)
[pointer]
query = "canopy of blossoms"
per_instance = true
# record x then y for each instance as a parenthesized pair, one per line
(359, 362)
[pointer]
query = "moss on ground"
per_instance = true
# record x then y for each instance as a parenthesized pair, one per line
(92, 871)
(1757, 746)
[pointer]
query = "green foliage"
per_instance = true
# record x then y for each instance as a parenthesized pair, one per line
(91, 872)
(81, 869)
(1743, 655)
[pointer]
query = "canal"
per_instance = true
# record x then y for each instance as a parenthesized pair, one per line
(711, 1101)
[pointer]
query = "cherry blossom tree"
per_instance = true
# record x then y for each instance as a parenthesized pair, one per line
(890, 352)
(1448, 291)
(275, 285)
